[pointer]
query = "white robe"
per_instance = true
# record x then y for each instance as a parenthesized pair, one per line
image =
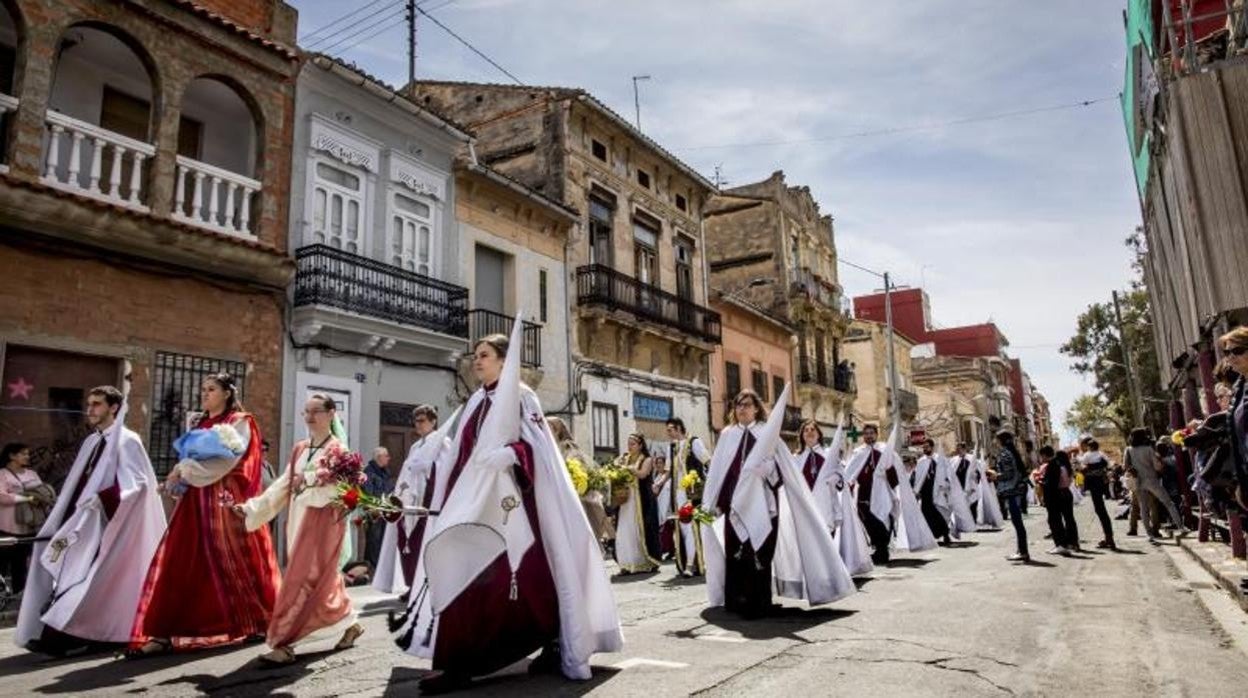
(97, 580)
(410, 490)
(911, 532)
(807, 564)
(963, 521)
(588, 621)
(989, 514)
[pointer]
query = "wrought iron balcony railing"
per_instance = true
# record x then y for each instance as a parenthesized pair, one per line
(482, 323)
(792, 419)
(330, 277)
(601, 285)
(820, 373)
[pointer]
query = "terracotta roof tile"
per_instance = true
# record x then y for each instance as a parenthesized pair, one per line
(237, 28)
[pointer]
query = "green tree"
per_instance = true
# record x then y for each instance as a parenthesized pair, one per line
(1089, 411)
(1097, 352)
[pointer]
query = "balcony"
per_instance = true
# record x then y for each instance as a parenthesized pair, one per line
(214, 198)
(816, 290)
(601, 285)
(95, 162)
(482, 323)
(815, 372)
(366, 290)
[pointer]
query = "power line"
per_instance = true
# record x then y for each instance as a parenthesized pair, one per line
(387, 19)
(323, 27)
(472, 48)
(338, 33)
(375, 34)
(906, 129)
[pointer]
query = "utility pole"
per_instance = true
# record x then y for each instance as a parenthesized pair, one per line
(895, 411)
(411, 41)
(1133, 390)
(637, 98)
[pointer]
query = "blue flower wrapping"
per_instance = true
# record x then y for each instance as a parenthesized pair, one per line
(201, 445)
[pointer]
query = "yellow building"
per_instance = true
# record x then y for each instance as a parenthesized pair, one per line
(866, 348)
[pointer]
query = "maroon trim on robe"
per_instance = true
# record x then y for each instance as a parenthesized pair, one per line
(483, 629)
(866, 477)
(810, 469)
(747, 570)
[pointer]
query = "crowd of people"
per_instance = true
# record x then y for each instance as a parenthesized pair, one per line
(495, 551)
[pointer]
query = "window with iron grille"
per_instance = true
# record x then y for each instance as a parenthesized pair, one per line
(732, 380)
(777, 386)
(759, 379)
(175, 394)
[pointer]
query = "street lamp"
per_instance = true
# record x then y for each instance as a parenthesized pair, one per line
(752, 283)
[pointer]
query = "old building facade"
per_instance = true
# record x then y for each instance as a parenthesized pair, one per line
(950, 383)
(757, 352)
(380, 319)
(642, 334)
(866, 348)
(143, 201)
(770, 245)
(513, 242)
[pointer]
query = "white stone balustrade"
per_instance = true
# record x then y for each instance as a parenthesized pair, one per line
(75, 162)
(214, 198)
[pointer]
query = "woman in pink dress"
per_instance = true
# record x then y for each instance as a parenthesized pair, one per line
(313, 603)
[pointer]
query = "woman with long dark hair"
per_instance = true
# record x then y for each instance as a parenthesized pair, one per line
(212, 581)
(1142, 459)
(637, 531)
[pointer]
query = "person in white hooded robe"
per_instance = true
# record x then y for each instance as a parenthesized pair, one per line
(769, 534)
(91, 558)
(510, 564)
(825, 472)
(400, 547)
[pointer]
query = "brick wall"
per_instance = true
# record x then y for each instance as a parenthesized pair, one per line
(93, 306)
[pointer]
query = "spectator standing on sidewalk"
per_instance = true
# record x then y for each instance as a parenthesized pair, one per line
(379, 484)
(1011, 472)
(1142, 458)
(1095, 468)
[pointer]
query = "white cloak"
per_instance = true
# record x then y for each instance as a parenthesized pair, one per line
(410, 490)
(588, 621)
(911, 532)
(807, 564)
(989, 514)
(96, 581)
(963, 522)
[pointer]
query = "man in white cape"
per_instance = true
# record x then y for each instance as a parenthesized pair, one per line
(770, 498)
(835, 501)
(88, 571)
(400, 547)
(484, 521)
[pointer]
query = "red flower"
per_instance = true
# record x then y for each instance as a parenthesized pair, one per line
(351, 498)
(685, 513)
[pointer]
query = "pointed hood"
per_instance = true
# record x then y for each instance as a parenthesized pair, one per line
(502, 426)
(835, 451)
(769, 436)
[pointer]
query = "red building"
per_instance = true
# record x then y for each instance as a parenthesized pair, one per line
(912, 317)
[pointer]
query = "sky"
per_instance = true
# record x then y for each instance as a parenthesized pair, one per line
(1019, 220)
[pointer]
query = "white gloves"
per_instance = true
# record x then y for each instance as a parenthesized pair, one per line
(22, 498)
(498, 460)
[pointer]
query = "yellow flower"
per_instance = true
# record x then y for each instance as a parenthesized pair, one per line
(1177, 438)
(580, 478)
(690, 480)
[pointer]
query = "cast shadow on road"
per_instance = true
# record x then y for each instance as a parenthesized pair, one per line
(27, 662)
(784, 622)
(633, 578)
(120, 672)
(676, 582)
(907, 562)
(1038, 563)
(960, 544)
(404, 682)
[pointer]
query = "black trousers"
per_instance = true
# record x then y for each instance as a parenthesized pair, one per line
(1067, 505)
(14, 563)
(1057, 527)
(1096, 487)
(880, 533)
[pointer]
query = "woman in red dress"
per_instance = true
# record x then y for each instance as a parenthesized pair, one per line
(211, 582)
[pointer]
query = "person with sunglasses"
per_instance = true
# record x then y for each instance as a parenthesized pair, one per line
(1235, 350)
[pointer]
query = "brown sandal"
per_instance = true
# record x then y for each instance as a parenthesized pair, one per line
(280, 656)
(152, 648)
(349, 636)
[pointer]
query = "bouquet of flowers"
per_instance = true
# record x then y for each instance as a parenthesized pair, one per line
(219, 441)
(691, 483)
(597, 480)
(1179, 437)
(619, 479)
(580, 478)
(344, 470)
(689, 513)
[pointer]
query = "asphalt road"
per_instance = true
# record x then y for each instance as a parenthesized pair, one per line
(955, 621)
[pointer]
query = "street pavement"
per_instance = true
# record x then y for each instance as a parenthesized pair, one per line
(958, 620)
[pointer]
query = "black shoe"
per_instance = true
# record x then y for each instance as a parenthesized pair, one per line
(440, 682)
